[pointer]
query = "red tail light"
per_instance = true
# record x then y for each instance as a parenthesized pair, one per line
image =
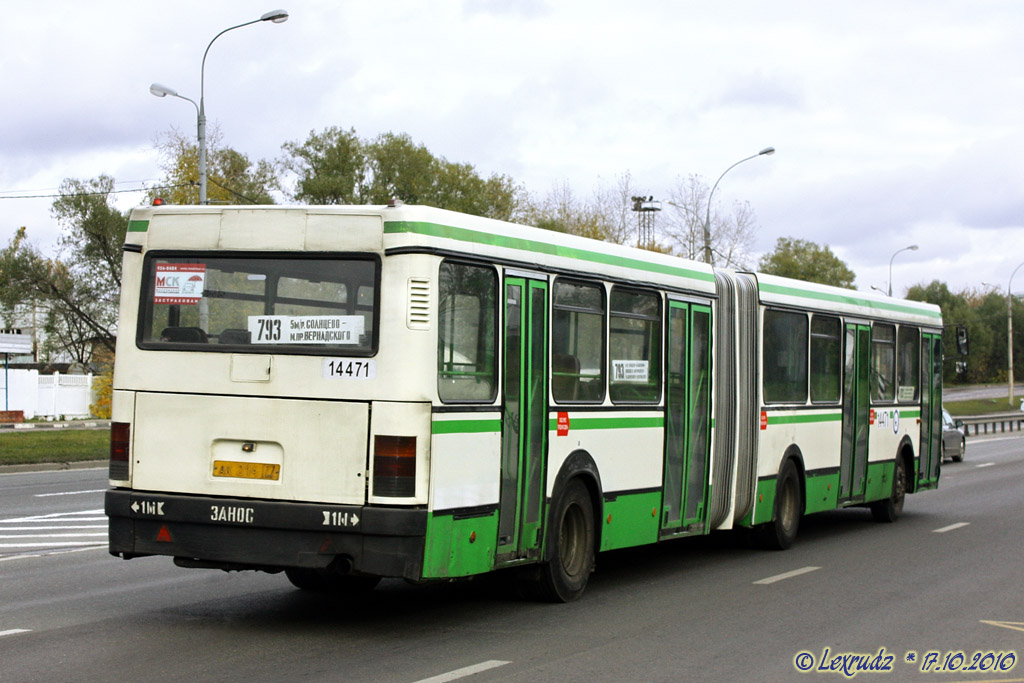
(120, 438)
(394, 466)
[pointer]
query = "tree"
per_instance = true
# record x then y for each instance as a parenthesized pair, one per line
(78, 288)
(231, 177)
(732, 234)
(805, 260)
(337, 167)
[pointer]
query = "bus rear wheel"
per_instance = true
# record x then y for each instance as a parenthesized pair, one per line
(571, 558)
(780, 533)
(888, 510)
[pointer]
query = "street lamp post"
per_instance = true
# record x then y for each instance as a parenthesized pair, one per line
(707, 218)
(275, 16)
(1009, 331)
(912, 247)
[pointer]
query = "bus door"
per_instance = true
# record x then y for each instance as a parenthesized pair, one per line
(523, 431)
(931, 412)
(853, 465)
(687, 418)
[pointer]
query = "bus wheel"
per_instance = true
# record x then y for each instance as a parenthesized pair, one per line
(322, 582)
(889, 509)
(565, 575)
(780, 533)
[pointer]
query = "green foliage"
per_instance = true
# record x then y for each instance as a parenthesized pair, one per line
(231, 177)
(337, 167)
(985, 315)
(79, 288)
(805, 260)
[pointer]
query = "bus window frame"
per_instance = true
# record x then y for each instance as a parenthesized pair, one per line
(146, 293)
(654, 360)
(496, 332)
(807, 356)
(603, 357)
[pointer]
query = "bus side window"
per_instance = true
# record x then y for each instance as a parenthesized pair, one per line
(466, 368)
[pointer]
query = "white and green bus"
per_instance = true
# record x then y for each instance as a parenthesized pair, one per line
(349, 393)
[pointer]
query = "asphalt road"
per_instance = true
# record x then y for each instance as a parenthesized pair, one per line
(945, 579)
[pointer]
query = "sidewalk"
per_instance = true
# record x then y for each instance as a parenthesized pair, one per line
(56, 424)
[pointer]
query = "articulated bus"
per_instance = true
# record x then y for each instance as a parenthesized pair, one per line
(350, 393)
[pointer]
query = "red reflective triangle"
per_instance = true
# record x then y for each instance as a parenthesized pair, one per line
(164, 536)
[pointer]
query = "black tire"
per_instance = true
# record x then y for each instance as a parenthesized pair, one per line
(324, 582)
(959, 455)
(888, 511)
(570, 546)
(780, 533)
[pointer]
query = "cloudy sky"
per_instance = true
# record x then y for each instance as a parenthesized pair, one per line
(895, 123)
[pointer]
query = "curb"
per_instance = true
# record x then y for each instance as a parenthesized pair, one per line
(65, 424)
(53, 466)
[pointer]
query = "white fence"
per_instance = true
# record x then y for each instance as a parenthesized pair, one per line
(48, 396)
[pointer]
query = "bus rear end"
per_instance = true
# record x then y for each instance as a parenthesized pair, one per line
(248, 427)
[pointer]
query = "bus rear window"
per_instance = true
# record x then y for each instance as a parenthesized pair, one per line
(259, 303)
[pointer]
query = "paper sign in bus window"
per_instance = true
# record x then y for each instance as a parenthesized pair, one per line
(629, 370)
(179, 283)
(306, 329)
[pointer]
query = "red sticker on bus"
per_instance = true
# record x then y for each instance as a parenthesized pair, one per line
(871, 417)
(563, 424)
(764, 419)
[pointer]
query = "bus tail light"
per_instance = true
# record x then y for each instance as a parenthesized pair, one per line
(120, 437)
(394, 466)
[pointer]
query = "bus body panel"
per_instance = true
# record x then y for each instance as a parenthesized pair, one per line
(184, 442)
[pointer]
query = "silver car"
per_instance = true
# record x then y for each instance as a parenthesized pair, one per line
(954, 441)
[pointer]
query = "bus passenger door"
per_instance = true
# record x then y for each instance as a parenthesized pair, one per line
(853, 464)
(687, 418)
(931, 412)
(524, 432)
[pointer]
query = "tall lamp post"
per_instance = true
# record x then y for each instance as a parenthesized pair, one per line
(912, 247)
(1009, 330)
(707, 218)
(277, 16)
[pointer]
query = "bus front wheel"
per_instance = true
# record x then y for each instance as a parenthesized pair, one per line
(780, 533)
(571, 557)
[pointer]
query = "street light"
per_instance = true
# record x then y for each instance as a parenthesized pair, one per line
(1009, 330)
(912, 247)
(277, 16)
(767, 151)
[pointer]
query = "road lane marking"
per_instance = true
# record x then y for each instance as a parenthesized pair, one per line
(74, 535)
(787, 575)
(52, 528)
(74, 516)
(61, 544)
(951, 527)
(465, 671)
(68, 493)
(985, 464)
(14, 631)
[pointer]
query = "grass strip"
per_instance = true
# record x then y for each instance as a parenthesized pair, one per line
(23, 447)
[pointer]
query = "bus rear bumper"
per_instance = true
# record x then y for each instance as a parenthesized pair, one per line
(235, 533)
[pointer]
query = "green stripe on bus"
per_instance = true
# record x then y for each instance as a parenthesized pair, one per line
(803, 418)
(464, 426)
(478, 237)
(845, 299)
(610, 423)
(138, 226)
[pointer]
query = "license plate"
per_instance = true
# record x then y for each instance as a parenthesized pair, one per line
(246, 470)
